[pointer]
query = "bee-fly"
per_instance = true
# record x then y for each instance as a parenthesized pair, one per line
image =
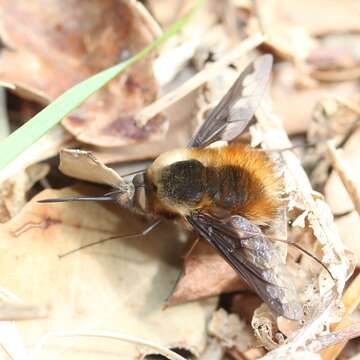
(229, 195)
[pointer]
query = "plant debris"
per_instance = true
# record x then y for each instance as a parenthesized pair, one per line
(168, 293)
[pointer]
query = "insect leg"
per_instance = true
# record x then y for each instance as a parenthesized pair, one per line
(305, 252)
(128, 236)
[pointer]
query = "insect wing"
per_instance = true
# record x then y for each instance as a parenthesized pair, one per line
(254, 257)
(230, 117)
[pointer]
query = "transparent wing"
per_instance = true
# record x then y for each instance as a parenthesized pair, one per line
(230, 117)
(254, 257)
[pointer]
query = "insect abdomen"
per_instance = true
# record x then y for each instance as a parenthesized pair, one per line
(234, 178)
(243, 181)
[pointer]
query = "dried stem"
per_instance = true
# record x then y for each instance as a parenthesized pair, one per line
(16, 311)
(336, 337)
(196, 81)
(345, 173)
(110, 335)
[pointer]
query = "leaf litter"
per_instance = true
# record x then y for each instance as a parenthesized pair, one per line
(165, 287)
(50, 49)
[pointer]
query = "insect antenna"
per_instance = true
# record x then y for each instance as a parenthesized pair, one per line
(297, 246)
(126, 236)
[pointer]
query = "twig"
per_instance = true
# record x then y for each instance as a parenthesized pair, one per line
(345, 173)
(4, 121)
(16, 311)
(143, 116)
(110, 335)
(351, 300)
(339, 336)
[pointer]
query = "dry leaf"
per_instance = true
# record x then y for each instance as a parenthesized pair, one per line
(178, 135)
(349, 227)
(318, 17)
(323, 294)
(334, 117)
(287, 96)
(245, 304)
(287, 36)
(84, 165)
(118, 286)
(205, 274)
(13, 191)
(213, 351)
(337, 58)
(50, 47)
(232, 331)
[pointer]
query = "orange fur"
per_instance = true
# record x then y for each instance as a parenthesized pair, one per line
(263, 180)
(256, 173)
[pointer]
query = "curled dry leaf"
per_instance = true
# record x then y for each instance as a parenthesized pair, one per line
(205, 274)
(334, 117)
(51, 48)
(84, 165)
(119, 286)
(13, 191)
(322, 307)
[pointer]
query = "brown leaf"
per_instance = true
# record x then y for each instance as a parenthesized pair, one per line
(205, 274)
(245, 305)
(178, 135)
(335, 192)
(13, 191)
(336, 58)
(50, 47)
(318, 17)
(119, 286)
(349, 227)
(287, 37)
(287, 96)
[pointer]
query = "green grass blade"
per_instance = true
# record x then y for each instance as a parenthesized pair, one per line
(32, 130)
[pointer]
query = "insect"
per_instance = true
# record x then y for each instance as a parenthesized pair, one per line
(229, 195)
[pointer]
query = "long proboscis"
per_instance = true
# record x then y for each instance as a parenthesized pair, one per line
(78, 198)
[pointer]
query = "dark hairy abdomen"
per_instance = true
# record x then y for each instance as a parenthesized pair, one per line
(232, 187)
(190, 184)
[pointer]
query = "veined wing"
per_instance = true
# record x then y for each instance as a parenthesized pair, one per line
(230, 117)
(254, 257)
